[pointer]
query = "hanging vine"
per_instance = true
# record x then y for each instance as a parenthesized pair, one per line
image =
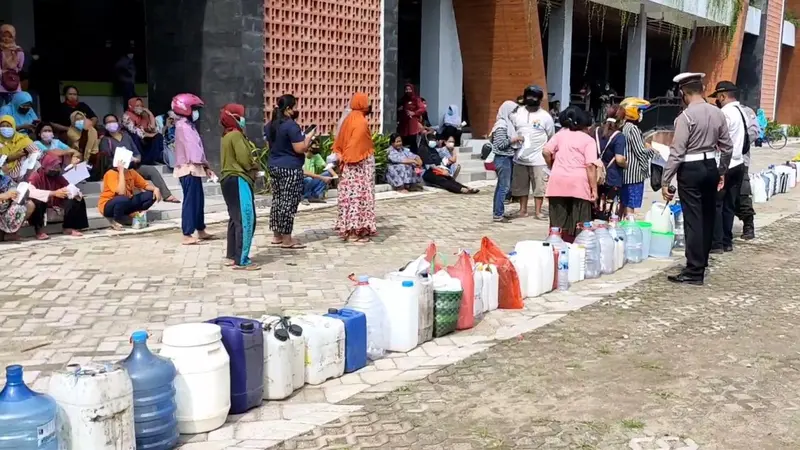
(591, 10)
(624, 18)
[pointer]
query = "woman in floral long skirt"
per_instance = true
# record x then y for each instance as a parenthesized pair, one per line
(356, 198)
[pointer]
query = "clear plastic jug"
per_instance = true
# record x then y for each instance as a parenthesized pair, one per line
(606, 249)
(680, 237)
(554, 238)
(633, 240)
(588, 239)
(365, 299)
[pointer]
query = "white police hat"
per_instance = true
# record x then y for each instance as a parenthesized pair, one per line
(688, 77)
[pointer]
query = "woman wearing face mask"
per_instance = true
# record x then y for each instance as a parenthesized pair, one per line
(191, 167)
(15, 146)
(117, 137)
(48, 144)
(70, 105)
(141, 124)
(287, 153)
(238, 175)
(21, 109)
(12, 59)
(449, 156)
(82, 136)
(165, 124)
(410, 116)
(437, 173)
(49, 178)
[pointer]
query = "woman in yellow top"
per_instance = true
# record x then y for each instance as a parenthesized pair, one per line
(82, 136)
(237, 178)
(14, 146)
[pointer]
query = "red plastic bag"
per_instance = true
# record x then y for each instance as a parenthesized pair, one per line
(432, 256)
(509, 294)
(463, 271)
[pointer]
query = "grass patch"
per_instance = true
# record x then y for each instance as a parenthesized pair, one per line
(604, 350)
(651, 365)
(632, 424)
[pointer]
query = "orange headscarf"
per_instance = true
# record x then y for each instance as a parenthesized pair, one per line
(354, 142)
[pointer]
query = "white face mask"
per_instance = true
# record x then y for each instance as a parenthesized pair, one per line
(79, 124)
(138, 110)
(6, 132)
(112, 127)
(431, 144)
(47, 136)
(450, 145)
(195, 115)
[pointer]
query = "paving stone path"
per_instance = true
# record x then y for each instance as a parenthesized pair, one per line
(656, 366)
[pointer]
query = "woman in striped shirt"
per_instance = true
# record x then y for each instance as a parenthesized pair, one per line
(505, 141)
(637, 156)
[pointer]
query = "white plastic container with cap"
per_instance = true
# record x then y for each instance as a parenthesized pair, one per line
(365, 299)
(401, 302)
(278, 349)
(203, 380)
(324, 347)
(298, 348)
(95, 403)
(423, 285)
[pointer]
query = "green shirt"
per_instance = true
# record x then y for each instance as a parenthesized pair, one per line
(315, 164)
(237, 158)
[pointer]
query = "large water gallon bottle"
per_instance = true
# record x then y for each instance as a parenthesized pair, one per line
(588, 239)
(154, 405)
(365, 299)
(680, 237)
(606, 249)
(633, 240)
(27, 418)
(563, 270)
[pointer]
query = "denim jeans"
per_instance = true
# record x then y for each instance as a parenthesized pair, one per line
(313, 187)
(502, 167)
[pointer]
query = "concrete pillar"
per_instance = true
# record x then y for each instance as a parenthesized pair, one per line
(217, 56)
(636, 64)
(20, 14)
(559, 52)
(441, 69)
(389, 75)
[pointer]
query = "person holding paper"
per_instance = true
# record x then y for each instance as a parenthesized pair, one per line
(15, 146)
(117, 137)
(191, 166)
(117, 199)
(73, 208)
(48, 144)
(83, 137)
(536, 126)
(12, 214)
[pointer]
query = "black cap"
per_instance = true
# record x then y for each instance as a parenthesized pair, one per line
(533, 91)
(724, 86)
(247, 326)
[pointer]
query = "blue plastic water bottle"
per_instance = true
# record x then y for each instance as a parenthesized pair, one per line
(27, 418)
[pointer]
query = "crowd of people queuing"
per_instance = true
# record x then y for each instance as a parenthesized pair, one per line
(592, 171)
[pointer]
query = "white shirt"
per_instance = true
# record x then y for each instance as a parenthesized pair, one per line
(536, 128)
(737, 130)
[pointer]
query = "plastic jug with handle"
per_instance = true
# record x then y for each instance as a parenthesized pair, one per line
(365, 299)
(606, 249)
(27, 418)
(660, 218)
(588, 239)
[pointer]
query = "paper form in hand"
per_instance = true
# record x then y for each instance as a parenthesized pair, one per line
(3, 160)
(77, 174)
(22, 192)
(124, 155)
(662, 154)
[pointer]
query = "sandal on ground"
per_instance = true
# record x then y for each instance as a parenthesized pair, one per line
(363, 240)
(208, 237)
(250, 267)
(294, 246)
(74, 233)
(42, 236)
(229, 262)
(172, 199)
(196, 241)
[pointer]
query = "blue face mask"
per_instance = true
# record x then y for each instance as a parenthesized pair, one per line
(195, 115)
(242, 123)
(431, 144)
(79, 125)
(7, 132)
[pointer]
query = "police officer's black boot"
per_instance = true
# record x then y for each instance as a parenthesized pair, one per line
(748, 230)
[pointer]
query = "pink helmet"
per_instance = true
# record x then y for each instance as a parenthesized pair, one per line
(182, 104)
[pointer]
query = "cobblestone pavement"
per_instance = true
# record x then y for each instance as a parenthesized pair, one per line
(655, 367)
(75, 301)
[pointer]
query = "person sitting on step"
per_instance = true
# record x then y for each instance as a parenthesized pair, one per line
(117, 199)
(404, 172)
(315, 179)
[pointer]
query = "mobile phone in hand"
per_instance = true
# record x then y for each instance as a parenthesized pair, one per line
(310, 129)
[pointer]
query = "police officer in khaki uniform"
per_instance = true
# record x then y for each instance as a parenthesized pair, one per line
(700, 131)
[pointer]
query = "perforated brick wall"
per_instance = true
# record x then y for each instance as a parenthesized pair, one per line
(322, 52)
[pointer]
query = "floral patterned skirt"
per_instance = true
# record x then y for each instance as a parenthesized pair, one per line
(357, 200)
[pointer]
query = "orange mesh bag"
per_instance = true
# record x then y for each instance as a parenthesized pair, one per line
(463, 271)
(510, 296)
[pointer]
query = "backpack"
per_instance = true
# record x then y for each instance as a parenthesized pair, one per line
(601, 169)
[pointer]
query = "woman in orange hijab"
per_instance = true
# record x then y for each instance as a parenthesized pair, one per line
(354, 148)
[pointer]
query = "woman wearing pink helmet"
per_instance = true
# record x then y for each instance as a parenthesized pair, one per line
(190, 167)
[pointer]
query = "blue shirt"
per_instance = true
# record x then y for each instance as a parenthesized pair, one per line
(55, 144)
(617, 147)
(281, 153)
